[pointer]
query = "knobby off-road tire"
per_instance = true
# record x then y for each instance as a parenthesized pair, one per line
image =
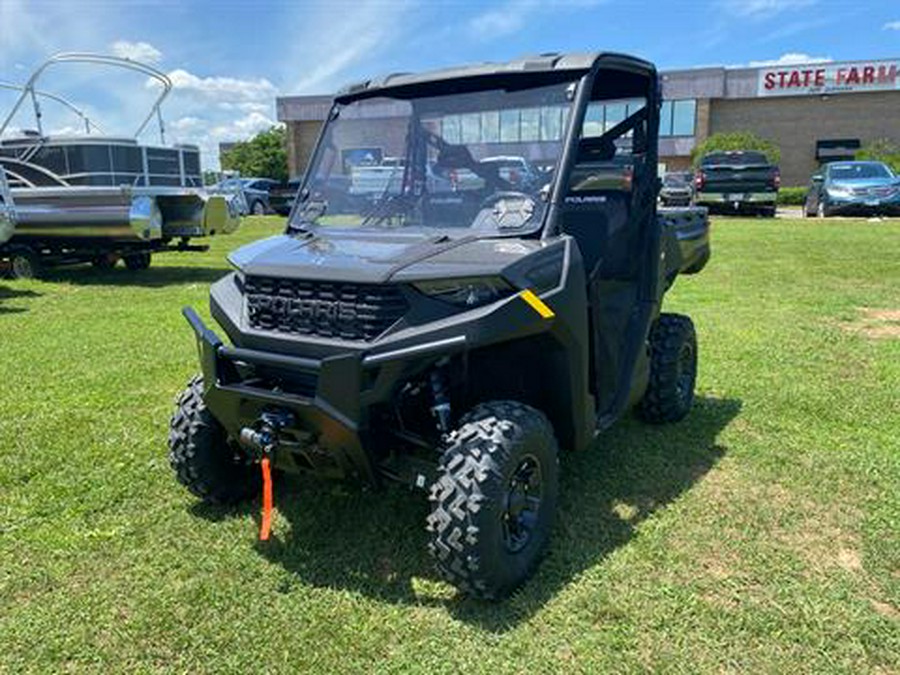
(493, 503)
(203, 459)
(673, 370)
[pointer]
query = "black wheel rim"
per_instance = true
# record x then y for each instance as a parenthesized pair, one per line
(522, 504)
(685, 379)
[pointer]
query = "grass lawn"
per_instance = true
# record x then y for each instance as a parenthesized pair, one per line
(759, 535)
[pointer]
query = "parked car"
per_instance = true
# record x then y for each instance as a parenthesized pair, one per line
(853, 188)
(677, 188)
(254, 192)
(740, 181)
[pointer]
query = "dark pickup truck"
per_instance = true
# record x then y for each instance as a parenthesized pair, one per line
(739, 181)
(281, 198)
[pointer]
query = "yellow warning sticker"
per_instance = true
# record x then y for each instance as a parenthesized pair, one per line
(537, 304)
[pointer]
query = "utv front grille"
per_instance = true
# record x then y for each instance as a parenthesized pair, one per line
(342, 311)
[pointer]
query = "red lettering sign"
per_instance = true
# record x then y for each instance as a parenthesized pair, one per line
(829, 77)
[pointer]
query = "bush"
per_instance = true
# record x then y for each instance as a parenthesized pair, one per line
(792, 196)
(740, 140)
(881, 150)
(263, 155)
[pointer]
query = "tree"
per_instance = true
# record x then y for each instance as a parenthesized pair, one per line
(739, 140)
(263, 155)
(881, 150)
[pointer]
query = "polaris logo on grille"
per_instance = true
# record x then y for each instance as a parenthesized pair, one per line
(309, 309)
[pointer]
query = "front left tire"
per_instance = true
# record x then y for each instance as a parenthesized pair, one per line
(494, 501)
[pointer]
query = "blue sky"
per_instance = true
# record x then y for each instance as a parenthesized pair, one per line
(229, 60)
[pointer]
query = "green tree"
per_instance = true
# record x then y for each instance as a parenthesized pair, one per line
(263, 155)
(739, 140)
(881, 150)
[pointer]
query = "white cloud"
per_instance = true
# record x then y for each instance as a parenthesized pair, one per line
(764, 9)
(790, 59)
(892, 25)
(514, 15)
(143, 52)
(220, 89)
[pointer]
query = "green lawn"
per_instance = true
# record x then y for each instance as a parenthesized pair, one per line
(759, 535)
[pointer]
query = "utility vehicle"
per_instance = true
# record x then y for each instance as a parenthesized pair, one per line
(455, 338)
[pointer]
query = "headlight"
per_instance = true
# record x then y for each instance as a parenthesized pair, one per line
(838, 191)
(468, 292)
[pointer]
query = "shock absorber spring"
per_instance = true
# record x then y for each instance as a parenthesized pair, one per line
(441, 410)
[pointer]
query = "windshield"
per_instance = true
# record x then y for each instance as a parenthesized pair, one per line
(676, 180)
(855, 171)
(457, 161)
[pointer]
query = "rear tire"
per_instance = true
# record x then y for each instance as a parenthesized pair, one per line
(673, 370)
(258, 208)
(493, 503)
(138, 261)
(105, 262)
(25, 265)
(200, 453)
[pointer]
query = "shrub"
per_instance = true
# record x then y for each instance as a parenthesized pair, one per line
(792, 196)
(739, 140)
(881, 150)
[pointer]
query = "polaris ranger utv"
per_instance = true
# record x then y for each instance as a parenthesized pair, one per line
(456, 330)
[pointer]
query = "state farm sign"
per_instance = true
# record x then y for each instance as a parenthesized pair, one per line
(829, 78)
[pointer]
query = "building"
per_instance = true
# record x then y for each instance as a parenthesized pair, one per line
(814, 112)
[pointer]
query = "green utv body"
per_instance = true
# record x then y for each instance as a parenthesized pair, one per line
(470, 282)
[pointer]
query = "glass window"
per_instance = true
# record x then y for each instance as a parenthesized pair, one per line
(551, 126)
(471, 128)
(509, 126)
(615, 113)
(490, 127)
(450, 129)
(593, 120)
(531, 123)
(683, 115)
(665, 119)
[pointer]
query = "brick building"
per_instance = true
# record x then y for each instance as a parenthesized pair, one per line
(814, 112)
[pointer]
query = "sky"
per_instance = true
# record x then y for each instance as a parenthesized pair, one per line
(229, 60)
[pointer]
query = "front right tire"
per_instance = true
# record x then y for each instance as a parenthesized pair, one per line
(203, 458)
(494, 501)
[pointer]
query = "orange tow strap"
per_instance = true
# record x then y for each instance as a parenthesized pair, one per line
(266, 524)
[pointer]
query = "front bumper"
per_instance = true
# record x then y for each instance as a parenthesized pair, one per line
(739, 198)
(331, 396)
(864, 204)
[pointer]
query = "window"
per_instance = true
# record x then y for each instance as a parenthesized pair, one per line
(551, 124)
(509, 126)
(531, 123)
(471, 128)
(593, 120)
(490, 127)
(665, 119)
(615, 113)
(450, 129)
(683, 115)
